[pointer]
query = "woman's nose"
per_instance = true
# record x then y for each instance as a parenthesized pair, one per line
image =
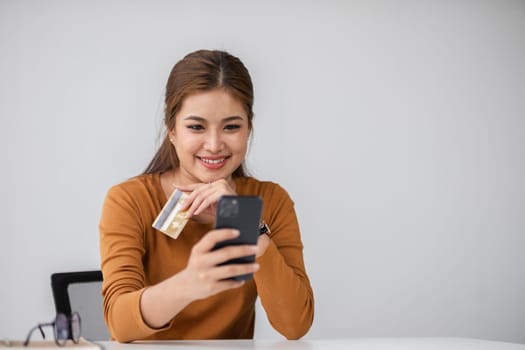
(214, 142)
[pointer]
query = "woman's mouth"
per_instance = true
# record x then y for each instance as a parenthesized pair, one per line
(213, 162)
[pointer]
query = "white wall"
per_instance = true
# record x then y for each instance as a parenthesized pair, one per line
(398, 127)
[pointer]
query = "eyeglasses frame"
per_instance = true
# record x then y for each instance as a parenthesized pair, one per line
(70, 334)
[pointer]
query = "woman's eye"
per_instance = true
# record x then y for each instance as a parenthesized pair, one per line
(196, 127)
(232, 127)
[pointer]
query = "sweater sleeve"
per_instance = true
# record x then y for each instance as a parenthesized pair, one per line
(122, 249)
(282, 283)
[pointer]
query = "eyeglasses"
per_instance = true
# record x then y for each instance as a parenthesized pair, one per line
(64, 328)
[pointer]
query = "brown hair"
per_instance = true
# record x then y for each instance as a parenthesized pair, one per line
(199, 71)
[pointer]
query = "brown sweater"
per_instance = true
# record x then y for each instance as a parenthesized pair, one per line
(134, 255)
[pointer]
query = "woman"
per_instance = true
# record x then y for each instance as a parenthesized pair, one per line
(156, 287)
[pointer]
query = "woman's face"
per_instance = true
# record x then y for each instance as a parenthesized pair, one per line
(210, 136)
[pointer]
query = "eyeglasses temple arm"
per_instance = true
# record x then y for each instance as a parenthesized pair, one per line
(39, 327)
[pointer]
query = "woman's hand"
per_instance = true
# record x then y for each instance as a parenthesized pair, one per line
(201, 203)
(204, 277)
(262, 244)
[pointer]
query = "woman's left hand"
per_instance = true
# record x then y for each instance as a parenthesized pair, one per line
(201, 203)
(262, 244)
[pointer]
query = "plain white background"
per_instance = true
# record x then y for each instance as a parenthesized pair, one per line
(398, 127)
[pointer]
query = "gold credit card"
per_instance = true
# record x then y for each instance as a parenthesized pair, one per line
(171, 220)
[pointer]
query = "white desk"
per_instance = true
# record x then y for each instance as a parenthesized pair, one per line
(322, 344)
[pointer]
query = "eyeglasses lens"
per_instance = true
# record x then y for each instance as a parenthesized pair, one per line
(75, 326)
(61, 329)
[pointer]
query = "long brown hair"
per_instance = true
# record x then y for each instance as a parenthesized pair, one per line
(199, 71)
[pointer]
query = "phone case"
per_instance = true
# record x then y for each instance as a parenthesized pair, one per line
(242, 213)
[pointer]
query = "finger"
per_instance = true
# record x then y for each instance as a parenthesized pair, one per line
(198, 205)
(224, 254)
(206, 198)
(262, 244)
(190, 190)
(209, 240)
(204, 195)
(228, 271)
(205, 204)
(195, 198)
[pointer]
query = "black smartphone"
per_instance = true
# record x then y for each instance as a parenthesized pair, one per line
(244, 214)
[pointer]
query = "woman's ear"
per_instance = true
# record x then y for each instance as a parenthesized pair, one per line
(171, 135)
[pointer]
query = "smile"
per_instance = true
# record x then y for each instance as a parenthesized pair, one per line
(213, 163)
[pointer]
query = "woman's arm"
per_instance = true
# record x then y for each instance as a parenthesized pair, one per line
(282, 282)
(122, 249)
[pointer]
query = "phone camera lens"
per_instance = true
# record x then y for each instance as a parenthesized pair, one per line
(229, 208)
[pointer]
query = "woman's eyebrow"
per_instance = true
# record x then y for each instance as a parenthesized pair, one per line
(196, 118)
(202, 120)
(232, 118)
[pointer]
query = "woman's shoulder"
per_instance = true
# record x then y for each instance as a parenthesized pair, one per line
(251, 186)
(145, 184)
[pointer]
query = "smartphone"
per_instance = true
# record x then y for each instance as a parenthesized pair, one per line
(244, 214)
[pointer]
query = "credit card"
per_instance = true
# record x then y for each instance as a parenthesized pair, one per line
(171, 220)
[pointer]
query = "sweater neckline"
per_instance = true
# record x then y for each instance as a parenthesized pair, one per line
(158, 187)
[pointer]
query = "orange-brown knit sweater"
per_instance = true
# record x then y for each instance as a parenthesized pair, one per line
(134, 255)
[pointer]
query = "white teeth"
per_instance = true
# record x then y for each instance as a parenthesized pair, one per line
(212, 161)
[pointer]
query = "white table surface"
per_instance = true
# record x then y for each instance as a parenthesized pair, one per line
(323, 344)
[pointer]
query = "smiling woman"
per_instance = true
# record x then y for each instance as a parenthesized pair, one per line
(180, 288)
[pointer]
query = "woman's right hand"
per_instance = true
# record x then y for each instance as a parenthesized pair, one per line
(203, 277)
